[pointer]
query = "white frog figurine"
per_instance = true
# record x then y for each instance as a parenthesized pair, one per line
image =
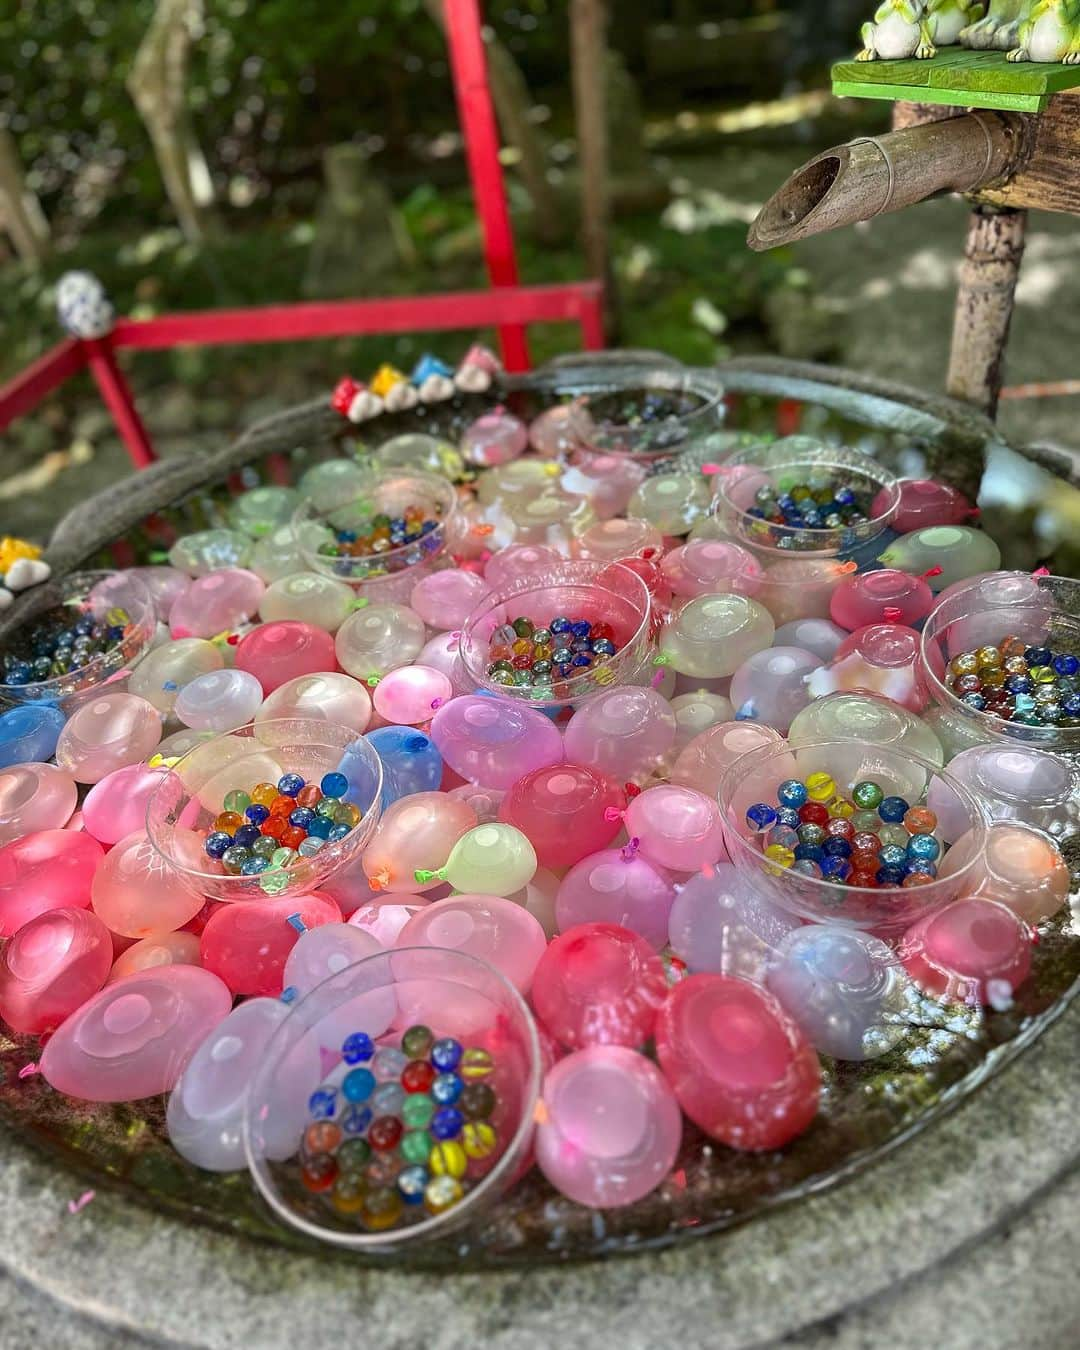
(1051, 32)
(999, 30)
(904, 28)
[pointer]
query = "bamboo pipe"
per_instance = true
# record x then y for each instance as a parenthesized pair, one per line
(873, 175)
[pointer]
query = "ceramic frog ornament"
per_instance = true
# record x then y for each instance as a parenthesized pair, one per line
(1051, 32)
(906, 28)
(1000, 29)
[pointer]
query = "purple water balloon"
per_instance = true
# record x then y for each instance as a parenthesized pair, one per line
(494, 742)
(617, 886)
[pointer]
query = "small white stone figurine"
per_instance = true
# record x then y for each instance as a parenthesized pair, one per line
(84, 309)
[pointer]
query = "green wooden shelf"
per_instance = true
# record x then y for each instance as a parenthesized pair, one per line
(958, 78)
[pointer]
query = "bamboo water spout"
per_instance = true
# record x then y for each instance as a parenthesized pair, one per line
(873, 175)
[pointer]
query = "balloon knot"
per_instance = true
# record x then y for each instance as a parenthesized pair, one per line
(661, 659)
(423, 875)
(28, 1070)
(372, 681)
(1041, 572)
(891, 614)
(378, 881)
(361, 602)
(710, 469)
(629, 851)
(612, 814)
(931, 572)
(483, 530)
(296, 921)
(632, 790)
(436, 704)
(290, 994)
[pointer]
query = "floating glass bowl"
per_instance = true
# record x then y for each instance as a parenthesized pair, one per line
(598, 591)
(885, 909)
(93, 593)
(391, 494)
(452, 993)
(1042, 611)
(787, 463)
(183, 807)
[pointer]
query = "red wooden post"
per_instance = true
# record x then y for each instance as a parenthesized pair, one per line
(477, 114)
(119, 401)
(788, 416)
(26, 390)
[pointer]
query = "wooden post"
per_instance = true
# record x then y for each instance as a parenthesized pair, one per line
(20, 212)
(984, 305)
(588, 23)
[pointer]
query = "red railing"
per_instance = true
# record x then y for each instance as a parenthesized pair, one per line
(508, 306)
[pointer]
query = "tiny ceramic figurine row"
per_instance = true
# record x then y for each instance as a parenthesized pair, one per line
(432, 381)
(1028, 30)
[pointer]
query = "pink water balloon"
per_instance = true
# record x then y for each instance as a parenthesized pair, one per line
(276, 653)
(617, 886)
(416, 833)
(137, 894)
(496, 437)
(105, 733)
(624, 732)
(708, 757)
(216, 603)
(607, 482)
(323, 951)
(619, 539)
(558, 430)
(517, 561)
(133, 1039)
(47, 870)
(611, 1127)
(566, 811)
(599, 984)
(328, 695)
(445, 600)
(246, 945)
(34, 797)
(411, 695)
(164, 585)
(116, 806)
(711, 566)
(164, 949)
(50, 967)
(972, 951)
(884, 596)
(383, 917)
(676, 827)
(487, 926)
(486, 802)
(493, 741)
(882, 658)
(740, 1066)
(924, 502)
(771, 687)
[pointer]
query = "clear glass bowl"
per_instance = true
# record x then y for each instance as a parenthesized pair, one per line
(1041, 610)
(885, 909)
(388, 493)
(681, 405)
(90, 593)
(450, 992)
(787, 463)
(598, 591)
(183, 807)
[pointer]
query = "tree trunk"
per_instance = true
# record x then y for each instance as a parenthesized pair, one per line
(588, 25)
(158, 85)
(20, 213)
(984, 305)
(510, 94)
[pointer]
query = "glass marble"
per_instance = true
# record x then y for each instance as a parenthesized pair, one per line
(617, 886)
(205, 1111)
(133, 1038)
(276, 653)
(599, 984)
(497, 931)
(52, 965)
(771, 686)
(973, 950)
(838, 984)
(106, 733)
(377, 639)
(958, 550)
(676, 827)
(624, 732)
(310, 598)
(714, 634)
(567, 811)
(494, 742)
(34, 797)
(611, 1127)
(44, 871)
(740, 1066)
(328, 695)
(218, 602)
(221, 700)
